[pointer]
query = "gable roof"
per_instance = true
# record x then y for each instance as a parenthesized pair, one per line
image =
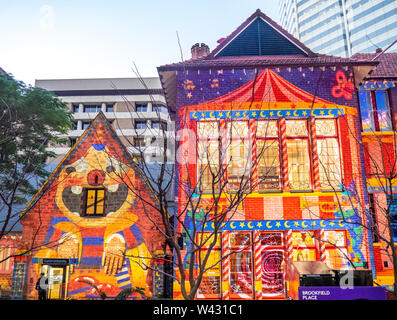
(90, 137)
(268, 54)
(259, 36)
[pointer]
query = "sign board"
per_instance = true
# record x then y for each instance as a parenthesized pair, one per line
(58, 262)
(340, 293)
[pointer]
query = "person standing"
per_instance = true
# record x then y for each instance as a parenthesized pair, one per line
(42, 286)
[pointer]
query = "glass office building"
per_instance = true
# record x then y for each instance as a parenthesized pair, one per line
(341, 27)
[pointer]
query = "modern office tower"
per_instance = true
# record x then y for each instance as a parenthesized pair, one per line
(341, 27)
(135, 107)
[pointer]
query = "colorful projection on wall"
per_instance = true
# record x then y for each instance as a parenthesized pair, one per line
(272, 251)
(343, 87)
(97, 220)
(241, 268)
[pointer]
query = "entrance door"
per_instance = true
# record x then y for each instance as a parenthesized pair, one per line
(272, 261)
(56, 280)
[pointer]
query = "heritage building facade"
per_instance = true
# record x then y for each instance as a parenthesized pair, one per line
(283, 121)
(378, 109)
(88, 226)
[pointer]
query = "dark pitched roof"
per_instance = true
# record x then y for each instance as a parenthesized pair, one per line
(387, 67)
(260, 36)
(264, 61)
(258, 54)
(259, 41)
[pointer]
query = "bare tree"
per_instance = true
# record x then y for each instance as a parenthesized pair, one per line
(368, 207)
(210, 196)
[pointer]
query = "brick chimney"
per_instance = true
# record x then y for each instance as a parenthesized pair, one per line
(200, 50)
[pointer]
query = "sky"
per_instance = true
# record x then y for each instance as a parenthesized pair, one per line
(69, 39)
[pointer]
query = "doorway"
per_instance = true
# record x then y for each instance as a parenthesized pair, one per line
(56, 281)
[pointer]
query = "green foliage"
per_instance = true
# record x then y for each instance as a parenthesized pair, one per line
(31, 119)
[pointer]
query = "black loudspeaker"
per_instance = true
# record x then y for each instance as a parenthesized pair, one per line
(317, 280)
(180, 242)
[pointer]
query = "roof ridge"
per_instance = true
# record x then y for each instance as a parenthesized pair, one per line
(99, 118)
(258, 14)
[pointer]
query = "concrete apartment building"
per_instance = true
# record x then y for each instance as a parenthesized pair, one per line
(135, 107)
(341, 27)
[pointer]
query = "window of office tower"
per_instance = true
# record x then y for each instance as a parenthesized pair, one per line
(141, 107)
(92, 108)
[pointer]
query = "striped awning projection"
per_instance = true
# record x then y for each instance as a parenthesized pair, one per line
(267, 114)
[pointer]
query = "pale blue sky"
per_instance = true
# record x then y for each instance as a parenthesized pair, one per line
(102, 38)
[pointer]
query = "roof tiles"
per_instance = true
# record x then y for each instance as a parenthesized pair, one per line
(387, 67)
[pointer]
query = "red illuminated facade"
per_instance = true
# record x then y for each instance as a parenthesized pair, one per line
(247, 94)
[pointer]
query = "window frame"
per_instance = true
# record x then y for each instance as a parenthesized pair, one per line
(322, 138)
(95, 214)
(139, 139)
(281, 247)
(393, 215)
(85, 125)
(109, 107)
(234, 250)
(306, 138)
(312, 247)
(72, 141)
(136, 122)
(374, 216)
(88, 108)
(337, 248)
(218, 249)
(141, 105)
(159, 108)
(161, 125)
(200, 139)
(248, 165)
(260, 138)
